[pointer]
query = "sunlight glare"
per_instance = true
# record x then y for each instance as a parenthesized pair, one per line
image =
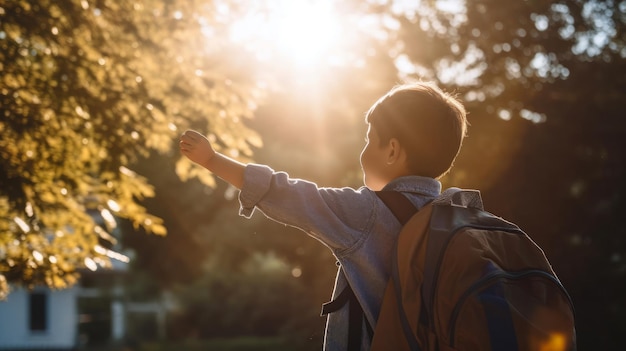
(302, 31)
(555, 342)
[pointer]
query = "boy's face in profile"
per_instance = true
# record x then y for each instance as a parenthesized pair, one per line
(373, 161)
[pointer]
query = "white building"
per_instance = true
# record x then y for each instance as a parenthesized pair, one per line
(94, 312)
(39, 319)
(83, 316)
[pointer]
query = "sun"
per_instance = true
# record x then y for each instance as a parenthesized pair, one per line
(303, 32)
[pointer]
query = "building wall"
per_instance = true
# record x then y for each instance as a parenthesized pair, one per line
(61, 320)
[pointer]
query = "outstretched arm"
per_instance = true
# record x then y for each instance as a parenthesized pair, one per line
(198, 149)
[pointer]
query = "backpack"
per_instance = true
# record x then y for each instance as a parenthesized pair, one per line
(465, 279)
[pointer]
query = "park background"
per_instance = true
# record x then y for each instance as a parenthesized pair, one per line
(94, 94)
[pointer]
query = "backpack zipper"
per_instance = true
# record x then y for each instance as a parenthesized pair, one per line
(488, 280)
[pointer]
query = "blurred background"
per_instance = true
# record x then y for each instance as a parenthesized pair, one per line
(110, 241)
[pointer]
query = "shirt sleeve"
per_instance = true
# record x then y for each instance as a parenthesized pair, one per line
(341, 218)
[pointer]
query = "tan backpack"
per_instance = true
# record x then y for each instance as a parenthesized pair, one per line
(465, 279)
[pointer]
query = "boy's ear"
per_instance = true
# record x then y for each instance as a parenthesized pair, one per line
(393, 151)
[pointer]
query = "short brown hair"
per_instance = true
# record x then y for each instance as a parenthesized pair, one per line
(428, 122)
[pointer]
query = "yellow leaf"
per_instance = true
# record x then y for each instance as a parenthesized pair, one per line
(158, 229)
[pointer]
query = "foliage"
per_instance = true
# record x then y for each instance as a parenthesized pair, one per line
(248, 299)
(87, 88)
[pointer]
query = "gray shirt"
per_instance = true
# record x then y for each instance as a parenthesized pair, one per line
(353, 223)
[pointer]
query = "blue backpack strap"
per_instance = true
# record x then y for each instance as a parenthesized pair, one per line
(454, 210)
(444, 222)
(355, 319)
(343, 298)
(499, 318)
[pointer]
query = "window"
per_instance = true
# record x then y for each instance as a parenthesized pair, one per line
(38, 304)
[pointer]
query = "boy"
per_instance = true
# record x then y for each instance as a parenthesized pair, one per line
(415, 132)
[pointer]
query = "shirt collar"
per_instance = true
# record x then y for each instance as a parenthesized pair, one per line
(415, 184)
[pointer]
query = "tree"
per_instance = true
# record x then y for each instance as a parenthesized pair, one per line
(87, 88)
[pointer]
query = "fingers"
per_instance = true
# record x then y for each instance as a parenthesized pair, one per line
(185, 146)
(189, 136)
(186, 142)
(189, 141)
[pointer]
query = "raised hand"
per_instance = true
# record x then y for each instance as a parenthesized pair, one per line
(196, 147)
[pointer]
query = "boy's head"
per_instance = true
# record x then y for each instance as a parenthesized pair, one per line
(427, 123)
